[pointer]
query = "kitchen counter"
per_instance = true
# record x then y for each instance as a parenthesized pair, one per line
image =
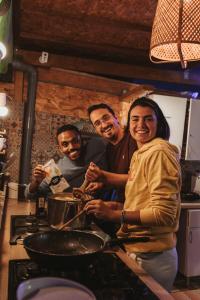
(190, 204)
(8, 252)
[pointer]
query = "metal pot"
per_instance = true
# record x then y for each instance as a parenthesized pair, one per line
(62, 207)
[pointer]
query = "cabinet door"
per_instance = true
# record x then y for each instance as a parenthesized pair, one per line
(188, 242)
(192, 266)
(193, 135)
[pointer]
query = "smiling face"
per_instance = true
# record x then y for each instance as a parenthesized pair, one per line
(143, 124)
(70, 144)
(105, 124)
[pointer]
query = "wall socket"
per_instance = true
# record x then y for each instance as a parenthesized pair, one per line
(43, 59)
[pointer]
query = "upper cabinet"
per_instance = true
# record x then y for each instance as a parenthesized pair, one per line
(193, 133)
(174, 109)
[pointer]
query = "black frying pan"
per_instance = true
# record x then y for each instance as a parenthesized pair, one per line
(67, 248)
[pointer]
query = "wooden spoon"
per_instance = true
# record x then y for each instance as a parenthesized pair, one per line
(72, 220)
(80, 192)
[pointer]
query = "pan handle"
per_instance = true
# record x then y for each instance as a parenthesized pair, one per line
(119, 241)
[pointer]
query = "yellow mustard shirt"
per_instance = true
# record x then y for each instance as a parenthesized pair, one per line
(153, 188)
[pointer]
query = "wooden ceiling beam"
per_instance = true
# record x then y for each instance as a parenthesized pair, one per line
(84, 49)
(112, 69)
(89, 20)
(110, 13)
(84, 81)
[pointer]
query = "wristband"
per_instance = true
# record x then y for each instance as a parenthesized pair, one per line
(123, 217)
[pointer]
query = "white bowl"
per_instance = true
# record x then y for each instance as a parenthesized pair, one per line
(53, 288)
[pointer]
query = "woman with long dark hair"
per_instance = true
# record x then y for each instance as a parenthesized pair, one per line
(152, 204)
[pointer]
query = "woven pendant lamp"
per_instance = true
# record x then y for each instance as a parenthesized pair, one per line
(176, 32)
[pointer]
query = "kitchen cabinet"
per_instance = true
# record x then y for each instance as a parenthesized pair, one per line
(193, 137)
(188, 242)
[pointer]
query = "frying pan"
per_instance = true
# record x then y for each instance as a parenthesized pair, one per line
(69, 248)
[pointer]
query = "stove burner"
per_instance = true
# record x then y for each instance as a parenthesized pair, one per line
(31, 219)
(32, 229)
(107, 276)
(23, 225)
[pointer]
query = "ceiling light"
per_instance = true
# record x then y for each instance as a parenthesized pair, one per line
(175, 33)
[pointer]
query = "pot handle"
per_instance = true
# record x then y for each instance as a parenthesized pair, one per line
(119, 241)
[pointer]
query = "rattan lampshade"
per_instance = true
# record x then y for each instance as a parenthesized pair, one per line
(176, 32)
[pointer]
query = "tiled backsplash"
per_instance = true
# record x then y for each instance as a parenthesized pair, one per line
(44, 144)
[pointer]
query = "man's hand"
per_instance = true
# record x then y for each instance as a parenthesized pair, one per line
(93, 187)
(38, 175)
(94, 173)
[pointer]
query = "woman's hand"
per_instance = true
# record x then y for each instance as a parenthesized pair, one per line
(93, 187)
(99, 209)
(94, 173)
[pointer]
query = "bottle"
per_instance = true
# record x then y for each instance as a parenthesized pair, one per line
(40, 207)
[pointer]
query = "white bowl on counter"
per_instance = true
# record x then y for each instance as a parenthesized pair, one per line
(53, 288)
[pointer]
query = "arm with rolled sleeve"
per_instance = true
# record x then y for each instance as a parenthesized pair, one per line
(162, 174)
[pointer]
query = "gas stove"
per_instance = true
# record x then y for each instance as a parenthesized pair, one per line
(107, 276)
(24, 225)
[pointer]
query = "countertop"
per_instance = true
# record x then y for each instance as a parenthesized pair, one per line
(190, 204)
(14, 207)
(7, 252)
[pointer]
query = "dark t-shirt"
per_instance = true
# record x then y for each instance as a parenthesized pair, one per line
(119, 158)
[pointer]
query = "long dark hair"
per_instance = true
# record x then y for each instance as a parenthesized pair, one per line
(163, 130)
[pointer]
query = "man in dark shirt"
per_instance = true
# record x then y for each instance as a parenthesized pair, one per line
(120, 146)
(75, 160)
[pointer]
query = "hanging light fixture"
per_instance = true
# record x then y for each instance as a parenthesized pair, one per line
(176, 32)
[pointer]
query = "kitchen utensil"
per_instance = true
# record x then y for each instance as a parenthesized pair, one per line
(67, 248)
(53, 288)
(84, 185)
(72, 220)
(80, 192)
(62, 207)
